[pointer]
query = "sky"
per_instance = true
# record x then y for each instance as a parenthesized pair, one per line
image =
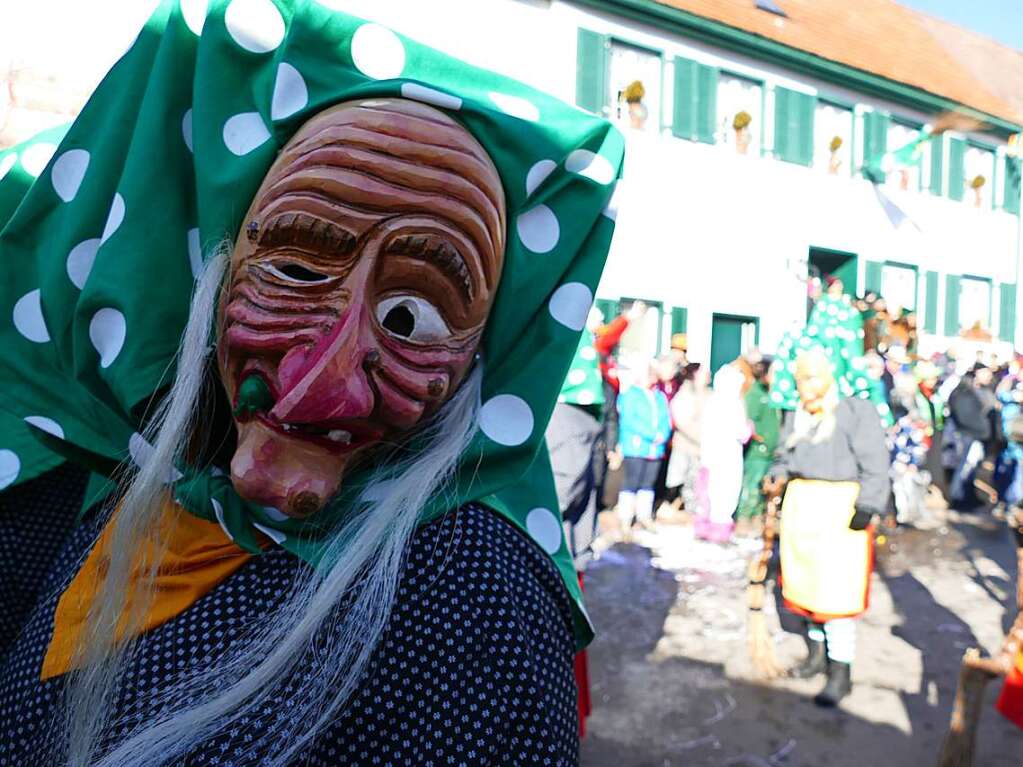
(1000, 19)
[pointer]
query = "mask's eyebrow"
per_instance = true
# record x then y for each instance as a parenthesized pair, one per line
(440, 253)
(307, 232)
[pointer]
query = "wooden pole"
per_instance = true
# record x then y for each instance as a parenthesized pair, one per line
(959, 745)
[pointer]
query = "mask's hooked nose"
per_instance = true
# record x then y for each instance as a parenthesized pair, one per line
(329, 381)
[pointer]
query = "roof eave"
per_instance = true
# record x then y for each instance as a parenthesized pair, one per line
(740, 40)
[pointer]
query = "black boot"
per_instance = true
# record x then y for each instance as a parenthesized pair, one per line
(839, 685)
(816, 661)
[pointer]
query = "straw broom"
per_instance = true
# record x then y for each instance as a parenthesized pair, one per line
(761, 647)
(975, 673)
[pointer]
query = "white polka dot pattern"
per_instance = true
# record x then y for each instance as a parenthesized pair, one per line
(35, 157)
(68, 173)
(377, 52)
(28, 318)
(107, 331)
(506, 419)
(538, 229)
(290, 92)
(256, 25)
(245, 132)
(538, 174)
(571, 304)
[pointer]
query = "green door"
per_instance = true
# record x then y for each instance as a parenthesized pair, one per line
(730, 337)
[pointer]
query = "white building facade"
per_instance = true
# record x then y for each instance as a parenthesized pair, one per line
(719, 228)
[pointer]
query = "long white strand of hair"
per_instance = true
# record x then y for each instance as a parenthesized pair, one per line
(325, 632)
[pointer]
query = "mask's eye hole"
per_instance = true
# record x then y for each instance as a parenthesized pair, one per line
(412, 318)
(400, 321)
(296, 274)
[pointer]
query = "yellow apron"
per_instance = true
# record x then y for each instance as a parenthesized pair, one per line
(825, 566)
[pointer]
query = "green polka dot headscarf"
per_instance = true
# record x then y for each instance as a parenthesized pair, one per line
(836, 326)
(100, 255)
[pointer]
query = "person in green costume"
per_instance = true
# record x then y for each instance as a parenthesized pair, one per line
(307, 291)
(761, 447)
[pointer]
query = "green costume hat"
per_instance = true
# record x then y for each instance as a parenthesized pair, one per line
(835, 326)
(99, 258)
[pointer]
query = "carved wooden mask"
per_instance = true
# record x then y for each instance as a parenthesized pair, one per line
(358, 291)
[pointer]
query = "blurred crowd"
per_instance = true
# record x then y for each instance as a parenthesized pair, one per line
(660, 438)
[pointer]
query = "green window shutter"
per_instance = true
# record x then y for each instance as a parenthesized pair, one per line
(608, 308)
(872, 279)
(951, 305)
(937, 164)
(956, 168)
(931, 298)
(793, 126)
(1007, 312)
(1011, 194)
(875, 144)
(782, 106)
(807, 111)
(591, 72)
(679, 319)
(706, 103)
(696, 96)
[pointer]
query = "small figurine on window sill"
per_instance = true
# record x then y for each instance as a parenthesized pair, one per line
(633, 95)
(977, 332)
(741, 125)
(835, 162)
(977, 184)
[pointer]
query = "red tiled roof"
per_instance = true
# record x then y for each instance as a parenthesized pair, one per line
(890, 40)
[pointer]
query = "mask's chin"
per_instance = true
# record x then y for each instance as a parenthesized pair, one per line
(287, 473)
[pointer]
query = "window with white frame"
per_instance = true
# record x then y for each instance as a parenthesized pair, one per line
(907, 173)
(833, 139)
(635, 87)
(740, 114)
(898, 286)
(974, 303)
(978, 172)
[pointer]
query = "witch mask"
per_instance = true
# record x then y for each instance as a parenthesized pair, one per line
(358, 291)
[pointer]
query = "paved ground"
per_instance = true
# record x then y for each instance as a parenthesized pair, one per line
(672, 684)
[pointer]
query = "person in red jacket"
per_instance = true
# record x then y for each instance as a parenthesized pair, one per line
(605, 340)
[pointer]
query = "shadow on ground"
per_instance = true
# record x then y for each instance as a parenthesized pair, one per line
(671, 687)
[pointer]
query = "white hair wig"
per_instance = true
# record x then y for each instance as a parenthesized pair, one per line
(325, 632)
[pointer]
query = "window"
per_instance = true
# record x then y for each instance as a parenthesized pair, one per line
(739, 113)
(833, 139)
(978, 176)
(974, 303)
(643, 337)
(906, 171)
(898, 286)
(635, 87)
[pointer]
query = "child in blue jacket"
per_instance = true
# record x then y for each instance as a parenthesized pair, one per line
(644, 428)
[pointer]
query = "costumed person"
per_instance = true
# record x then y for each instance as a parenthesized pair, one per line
(723, 432)
(1009, 468)
(670, 375)
(931, 407)
(765, 421)
(281, 282)
(910, 442)
(605, 340)
(644, 428)
(834, 463)
(687, 417)
(973, 410)
(571, 438)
